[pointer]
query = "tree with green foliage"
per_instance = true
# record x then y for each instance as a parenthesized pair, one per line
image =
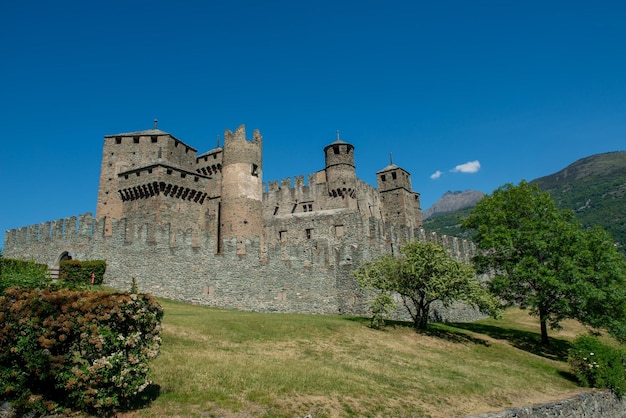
(542, 259)
(422, 274)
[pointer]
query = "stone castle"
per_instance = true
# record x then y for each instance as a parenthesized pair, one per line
(204, 228)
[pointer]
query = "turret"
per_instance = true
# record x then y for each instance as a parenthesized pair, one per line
(400, 205)
(240, 214)
(340, 171)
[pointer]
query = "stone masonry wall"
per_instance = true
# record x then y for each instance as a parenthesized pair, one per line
(602, 404)
(307, 275)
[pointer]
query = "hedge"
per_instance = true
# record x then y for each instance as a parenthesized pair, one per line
(22, 273)
(79, 272)
(76, 350)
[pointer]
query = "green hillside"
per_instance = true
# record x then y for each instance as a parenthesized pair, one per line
(593, 187)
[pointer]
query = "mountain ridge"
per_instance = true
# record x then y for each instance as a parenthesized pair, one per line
(593, 187)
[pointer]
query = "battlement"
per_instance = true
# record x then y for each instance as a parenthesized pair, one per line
(206, 229)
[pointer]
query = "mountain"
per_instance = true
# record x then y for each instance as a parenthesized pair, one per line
(452, 202)
(593, 187)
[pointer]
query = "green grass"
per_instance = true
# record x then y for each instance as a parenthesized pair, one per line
(226, 363)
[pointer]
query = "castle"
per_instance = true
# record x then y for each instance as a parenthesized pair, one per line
(204, 228)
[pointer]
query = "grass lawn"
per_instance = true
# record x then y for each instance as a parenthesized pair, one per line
(238, 364)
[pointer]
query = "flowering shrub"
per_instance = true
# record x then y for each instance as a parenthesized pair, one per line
(75, 349)
(597, 365)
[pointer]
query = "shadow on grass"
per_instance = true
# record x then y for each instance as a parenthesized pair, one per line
(524, 340)
(143, 399)
(432, 331)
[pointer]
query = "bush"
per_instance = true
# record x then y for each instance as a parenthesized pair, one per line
(76, 273)
(66, 349)
(22, 273)
(598, 365)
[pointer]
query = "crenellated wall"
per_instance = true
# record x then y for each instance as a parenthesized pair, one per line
(205, 229)
(311, 275)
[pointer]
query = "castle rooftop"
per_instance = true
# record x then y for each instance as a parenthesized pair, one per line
(390, 167)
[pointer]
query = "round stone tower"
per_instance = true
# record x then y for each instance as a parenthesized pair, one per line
(241, 206)
(340, 170)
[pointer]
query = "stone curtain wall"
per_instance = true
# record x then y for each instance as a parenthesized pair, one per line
(586, 405)
(308, 276)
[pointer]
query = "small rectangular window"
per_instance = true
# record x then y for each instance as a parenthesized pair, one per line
(336, 149)
(183, 175)
(383, 177)
(309, 233)
(136, 139)
(169, 171)
(153, 139)
(255, 170)
(118, 139)
(393, 175)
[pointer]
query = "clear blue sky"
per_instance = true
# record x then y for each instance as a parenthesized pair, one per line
(499, 90)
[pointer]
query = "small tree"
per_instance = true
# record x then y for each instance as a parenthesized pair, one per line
(542, 259)
(422, 274)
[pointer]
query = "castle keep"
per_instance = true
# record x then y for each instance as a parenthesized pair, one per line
(204, 228)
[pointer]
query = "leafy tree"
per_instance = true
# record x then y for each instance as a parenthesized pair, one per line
(542, 259)
(422, 274)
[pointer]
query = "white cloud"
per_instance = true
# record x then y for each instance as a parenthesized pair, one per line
(468, 167)
(436, 175)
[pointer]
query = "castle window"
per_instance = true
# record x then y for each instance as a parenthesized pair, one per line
(169, 171)
(153, 139)
(118, 140)
(255, 170)
(186, 150)
(275, 210)
(126, 176)
(150, 171)
(183, 175)
(195, 178)
(383, 177)
(138, 173)
(282, 236)
(309, 233)
(393, 175)
(310, 205)
(206, 158)
(175, 144)
(339, 231)
(336, 149)
(305, 207)
(136, 139)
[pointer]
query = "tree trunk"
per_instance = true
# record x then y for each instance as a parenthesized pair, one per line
(421, 321)
(543, 320)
